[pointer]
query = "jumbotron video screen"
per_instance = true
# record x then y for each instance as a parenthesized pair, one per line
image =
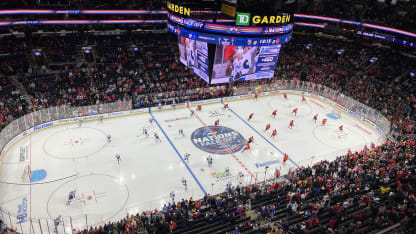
(239, 63)
(194, 55)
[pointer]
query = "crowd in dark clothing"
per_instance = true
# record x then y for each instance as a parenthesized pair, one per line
(11, 103)
(401, 15)
(356, 193)
(152, 74)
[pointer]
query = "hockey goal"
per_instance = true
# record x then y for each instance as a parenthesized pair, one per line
(26, 174)
(336, 113)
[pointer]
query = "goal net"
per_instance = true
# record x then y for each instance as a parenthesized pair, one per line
(336, 113)
(26, 174)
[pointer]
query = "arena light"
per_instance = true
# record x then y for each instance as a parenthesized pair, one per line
(37, 52)
(412, 74)
(134, 48)
(86, 50)
(310, 25)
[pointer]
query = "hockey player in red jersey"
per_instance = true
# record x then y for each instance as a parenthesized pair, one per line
(315, 117)
(217, 122)
(256, 96)
(247, 147)
(277, 173)
(285, 95)
(274, 113)
(295, 111)
(199, 107)
(341, 128)
(250, 116)
(267, 127)
(274, 133)
(285, 158)
(324, 121)
(250, 139)
(225, 106)
(291, 124)
(303, 99)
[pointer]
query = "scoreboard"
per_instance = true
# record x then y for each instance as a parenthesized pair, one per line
(223, 47)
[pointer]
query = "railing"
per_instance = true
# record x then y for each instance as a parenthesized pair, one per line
(39, 119)
(347, 104)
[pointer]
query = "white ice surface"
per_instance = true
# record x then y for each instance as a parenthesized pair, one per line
(80, 158)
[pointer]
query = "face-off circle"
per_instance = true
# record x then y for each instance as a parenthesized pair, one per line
(218, 140)
(75, 143)
(108, 197)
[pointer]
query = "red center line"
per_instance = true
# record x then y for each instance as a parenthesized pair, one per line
(226, 148)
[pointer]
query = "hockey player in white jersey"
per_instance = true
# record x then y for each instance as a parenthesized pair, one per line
(117, 156)
(157, 139)
(186, 157)
(145, 132)
(71, 197)
(184, 183)
(209, 160)
(190, 52)
(242, 63)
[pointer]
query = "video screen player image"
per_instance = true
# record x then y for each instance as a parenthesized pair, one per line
(239, 63)
(194, 55)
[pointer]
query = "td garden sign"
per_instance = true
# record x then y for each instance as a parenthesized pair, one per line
(178, 9)
(245, 19)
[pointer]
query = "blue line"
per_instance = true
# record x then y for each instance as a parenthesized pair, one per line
(177, 152)
(262, 136)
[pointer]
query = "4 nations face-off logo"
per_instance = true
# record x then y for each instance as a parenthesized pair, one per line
(218, 140)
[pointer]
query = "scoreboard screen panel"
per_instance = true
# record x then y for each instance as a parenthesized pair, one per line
(194, 55)
(240, 63)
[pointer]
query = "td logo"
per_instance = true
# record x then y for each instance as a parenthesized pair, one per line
(243, 19)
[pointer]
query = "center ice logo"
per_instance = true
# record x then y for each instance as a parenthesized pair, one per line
(218, 140)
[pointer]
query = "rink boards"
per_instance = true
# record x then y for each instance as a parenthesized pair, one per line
(133, 112)
(180, 106)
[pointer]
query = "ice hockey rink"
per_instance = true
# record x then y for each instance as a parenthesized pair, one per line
(72, 157)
